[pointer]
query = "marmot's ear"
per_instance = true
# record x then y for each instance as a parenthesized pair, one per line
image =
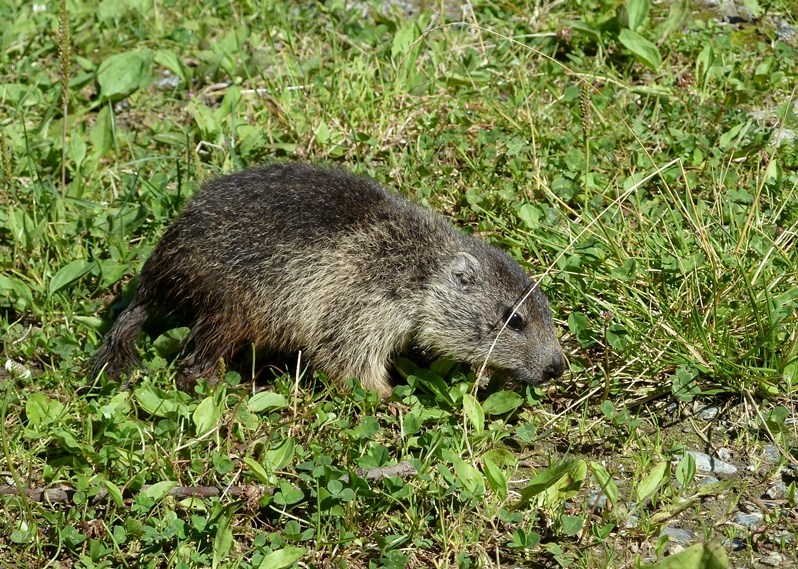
(463, 270)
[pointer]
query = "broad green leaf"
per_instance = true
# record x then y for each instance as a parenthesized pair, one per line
(678, 12)
(530, 215)
(776, 419)
(469, 477)
(685, 471)
(173, 63)
(653, 480)
(404, 37)
(76, 150)
(159, 490)
(68, 440)
(754, 8)
(154, 403)
(222, 541)
(281, 455)
(698, 556)
(322, 133)
(571, 524)
(90, 322)
(608, 487)
(497, 481)
(205, 119)
(618, 336)
(41, 410)
(206, 415)
(434, 383)
(123, 73)
(259, 472)
(626, 271)
(502, 402)
(282, 558)
(115, 493)
(556, 482)
(170, 341)
(473, 410)
(645, 51)
(266, 400)
(637, 10)
(68, 274)
(734, 135)
(16, 291)
(683, 383)
(102, 133)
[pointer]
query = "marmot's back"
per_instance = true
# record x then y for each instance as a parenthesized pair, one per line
(293, 257)
(248, 218)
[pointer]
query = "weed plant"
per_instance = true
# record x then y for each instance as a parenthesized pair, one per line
(639, 158)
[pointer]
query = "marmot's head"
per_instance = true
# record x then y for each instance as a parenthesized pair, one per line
(483, 309)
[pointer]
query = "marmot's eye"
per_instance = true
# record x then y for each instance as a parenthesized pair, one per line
(514, 321)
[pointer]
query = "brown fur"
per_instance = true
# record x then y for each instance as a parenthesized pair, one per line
(293, 257)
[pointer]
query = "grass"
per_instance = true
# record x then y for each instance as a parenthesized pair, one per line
(642, 159)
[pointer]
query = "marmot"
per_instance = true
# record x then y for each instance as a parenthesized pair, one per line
(295, 257)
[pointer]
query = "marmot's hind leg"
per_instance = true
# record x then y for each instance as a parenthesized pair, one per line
(117, 353)
(209, 346)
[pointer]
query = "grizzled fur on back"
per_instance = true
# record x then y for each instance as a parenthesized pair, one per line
(293, 257)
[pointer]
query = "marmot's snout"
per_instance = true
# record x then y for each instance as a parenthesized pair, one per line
(555, 368)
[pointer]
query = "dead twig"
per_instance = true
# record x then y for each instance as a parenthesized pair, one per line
(247, 491)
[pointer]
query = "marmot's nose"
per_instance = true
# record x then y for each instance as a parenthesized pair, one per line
(555, 369)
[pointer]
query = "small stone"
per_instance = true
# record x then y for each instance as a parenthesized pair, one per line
(674, 548)
(724, 454)
(597, 499)
(708, 413)
(16, 369)
(706, 463)
(748, 520)
(735, 544)
(708, 480)
(631, 522)
(678, 535)
(773, 559)
(785, 31)
(167, 83)
(771, 453)
(785, 136)
(778, 490)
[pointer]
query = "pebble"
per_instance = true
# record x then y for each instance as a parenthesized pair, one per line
(783, 538)
(773, 559)
(631, 522)
(678, 535)
(708, 413)
(778, 490)
(708, 480)
(785, 31)
(784, 135)
(771, 453)
(16, 369)
(735, 544)
(748, 520)
(168, 83)
(706, 463)
(597, 499)
(724, 454)
(674, 548)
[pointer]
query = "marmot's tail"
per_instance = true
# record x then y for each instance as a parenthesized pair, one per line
(117, 353)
